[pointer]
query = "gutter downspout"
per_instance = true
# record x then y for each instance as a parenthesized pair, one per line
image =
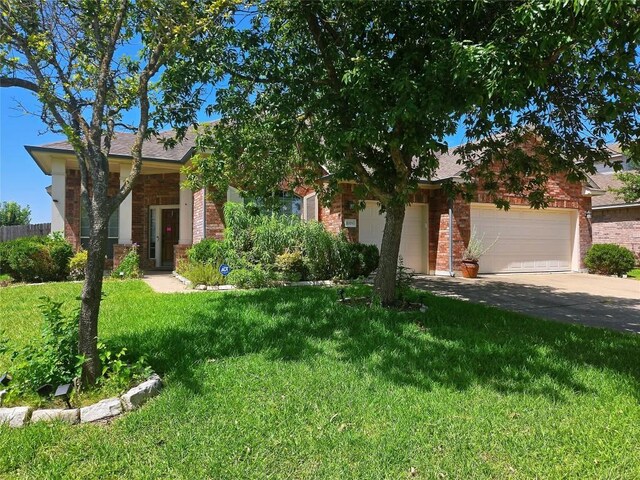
(451, 272)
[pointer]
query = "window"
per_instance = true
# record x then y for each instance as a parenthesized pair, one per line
(152, 232)
(282, 202)
(112, 235)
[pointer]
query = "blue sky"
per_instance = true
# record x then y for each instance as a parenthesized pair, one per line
(20, 178)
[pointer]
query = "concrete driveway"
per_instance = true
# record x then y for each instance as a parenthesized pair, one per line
(591, 300)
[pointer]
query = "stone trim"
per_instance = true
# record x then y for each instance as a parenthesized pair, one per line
(103, 410)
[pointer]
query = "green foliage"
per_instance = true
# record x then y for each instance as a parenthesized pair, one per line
(209, 250)
(254, 276)
(32, 259)
(117, 371)
(78, 265)
(292, 266)
(404, 281)
(199, 273)
(609, 259)
(129, 265)
(629, 191)
(11, 213)
(356, 260)
(53, 358)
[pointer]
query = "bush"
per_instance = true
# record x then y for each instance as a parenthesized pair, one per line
(201, 273)
(209, 250)
(609, 259)
(53, 359)
(356, 260)
(292, 266)
(78, 265)
(32, 259)
(129, 266)
(254, 277)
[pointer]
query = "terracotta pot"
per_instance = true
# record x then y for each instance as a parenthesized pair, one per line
(470, 269)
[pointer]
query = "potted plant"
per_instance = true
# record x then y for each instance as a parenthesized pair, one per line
(471, 255)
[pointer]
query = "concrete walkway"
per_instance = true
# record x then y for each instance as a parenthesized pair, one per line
(591, 300)
(164, 282)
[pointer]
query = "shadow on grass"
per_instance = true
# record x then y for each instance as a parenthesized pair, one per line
(455, 344)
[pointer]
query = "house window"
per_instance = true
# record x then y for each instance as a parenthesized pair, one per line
(287, 203)
(112, 235)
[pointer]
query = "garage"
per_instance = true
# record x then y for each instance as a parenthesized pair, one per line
(413, 246)
(525, 240)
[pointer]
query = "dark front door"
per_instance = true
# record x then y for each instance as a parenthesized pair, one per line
(170, 225)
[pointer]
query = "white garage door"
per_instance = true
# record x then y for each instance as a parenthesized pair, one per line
(527, 240)
(413, 248)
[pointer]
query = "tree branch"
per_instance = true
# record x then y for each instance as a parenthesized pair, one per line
(19, 82)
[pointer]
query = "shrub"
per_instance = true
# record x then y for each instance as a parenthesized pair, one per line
(129, 266)
(36, 258)
(292, 266)
(209, 250)
(609, 259)
(201, 273)
(78, 265)
(53, 359)
(254, 277)
(356, 260)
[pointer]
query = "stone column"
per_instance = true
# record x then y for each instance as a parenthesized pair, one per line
(58, 194)
(186, 215)
(125, 213)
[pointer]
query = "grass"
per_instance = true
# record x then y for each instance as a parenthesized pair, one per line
(635, 273)
(286, 383)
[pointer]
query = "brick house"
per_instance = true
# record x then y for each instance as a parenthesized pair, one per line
(165, 220)
(615, 221)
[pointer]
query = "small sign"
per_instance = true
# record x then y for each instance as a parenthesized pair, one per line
(169, 229)
(350, 222)
(224, 269)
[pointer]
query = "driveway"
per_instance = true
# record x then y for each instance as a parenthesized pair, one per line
(591, 300)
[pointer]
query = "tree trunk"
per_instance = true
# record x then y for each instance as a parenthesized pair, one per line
(385, 282)
(91, 297)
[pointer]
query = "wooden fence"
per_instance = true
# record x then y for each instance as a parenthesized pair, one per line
(18, 231)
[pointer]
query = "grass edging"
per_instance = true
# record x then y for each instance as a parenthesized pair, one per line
(101, 411)
(305, 283)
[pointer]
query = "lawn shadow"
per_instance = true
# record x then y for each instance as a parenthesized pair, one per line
(455, 344)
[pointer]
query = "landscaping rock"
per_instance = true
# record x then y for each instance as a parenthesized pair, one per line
(227, 287)
(15, 417)
(138, 396)
(71, 416)
(201, 287)
(101, 410)
(212, 287)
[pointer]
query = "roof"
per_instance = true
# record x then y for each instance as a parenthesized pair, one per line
(609, 199)
(121, 145)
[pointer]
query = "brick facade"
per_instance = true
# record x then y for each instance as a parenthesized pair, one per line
(618, 225)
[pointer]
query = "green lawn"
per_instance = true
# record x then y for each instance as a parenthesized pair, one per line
(635, 273)
(286, 383)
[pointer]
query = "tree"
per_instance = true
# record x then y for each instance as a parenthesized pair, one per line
(629, 191)
(370, 90)
(11, 213)
(93, 65)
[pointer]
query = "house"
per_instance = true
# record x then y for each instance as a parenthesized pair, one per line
(165, 220)
(614, 220)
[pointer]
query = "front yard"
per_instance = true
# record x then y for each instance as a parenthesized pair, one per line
(286, 383)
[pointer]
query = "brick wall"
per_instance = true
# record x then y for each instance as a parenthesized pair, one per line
(73, 204)
(618, 225)
(198, 216)
(439, 231)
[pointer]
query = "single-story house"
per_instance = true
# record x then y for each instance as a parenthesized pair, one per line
(614, 220)
(166, 220)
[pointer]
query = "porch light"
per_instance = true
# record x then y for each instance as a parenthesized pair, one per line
(5, 379)
(588, 215)
(64, 392)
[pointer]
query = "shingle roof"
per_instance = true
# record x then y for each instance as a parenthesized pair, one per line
(605, 181)
(151, 149)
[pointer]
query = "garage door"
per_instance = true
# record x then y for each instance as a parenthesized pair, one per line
(526, 240)
(413, 244)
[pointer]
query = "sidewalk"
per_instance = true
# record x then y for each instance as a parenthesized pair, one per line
(164, 282)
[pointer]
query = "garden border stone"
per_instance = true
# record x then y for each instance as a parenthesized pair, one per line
(210, 288)
(103, 410)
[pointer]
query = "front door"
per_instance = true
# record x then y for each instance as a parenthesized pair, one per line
(170, 226)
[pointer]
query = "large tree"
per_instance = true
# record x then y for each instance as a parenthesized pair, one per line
(11, 213)
(369, 91)
(93, 65)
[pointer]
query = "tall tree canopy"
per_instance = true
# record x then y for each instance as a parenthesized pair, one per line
(94, 66)
(370, 91)
(11, 213)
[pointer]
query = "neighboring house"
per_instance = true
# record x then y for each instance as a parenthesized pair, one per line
(614, 220)
(165, 220)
